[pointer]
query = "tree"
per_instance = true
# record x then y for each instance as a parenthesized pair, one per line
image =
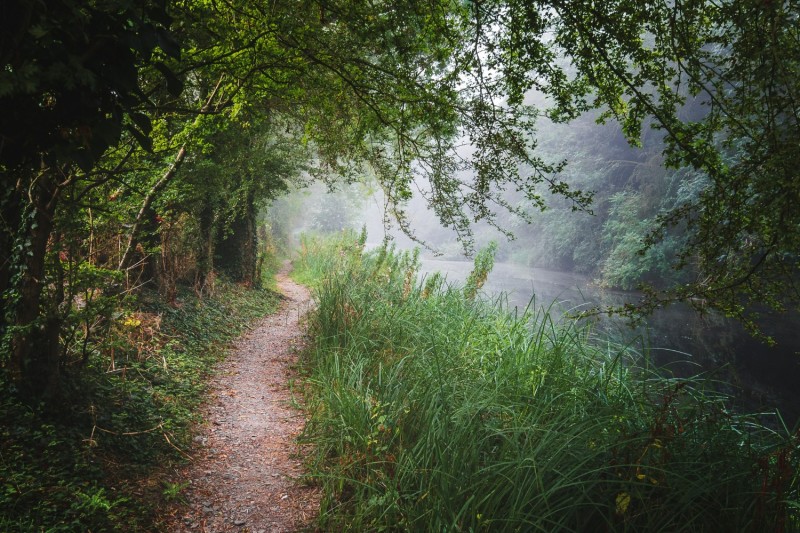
(642, 64)
(68, 88)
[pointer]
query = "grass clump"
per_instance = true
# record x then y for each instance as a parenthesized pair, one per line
(432, 410)
(321, 255)
(99, 461)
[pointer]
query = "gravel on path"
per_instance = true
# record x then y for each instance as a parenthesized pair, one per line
(244, 477)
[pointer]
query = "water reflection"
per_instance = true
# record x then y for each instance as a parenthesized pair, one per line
(679, 339)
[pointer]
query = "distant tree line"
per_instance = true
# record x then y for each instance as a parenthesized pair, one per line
(139, 138)
(631, 187)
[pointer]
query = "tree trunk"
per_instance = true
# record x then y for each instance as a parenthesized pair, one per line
(11, 220)
(145, 211)
(262, 238)
(205, 254)
(35, 344)
(236, 250)
(149, 242)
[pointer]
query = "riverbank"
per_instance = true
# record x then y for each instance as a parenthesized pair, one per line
(433, 411)
(677, 339)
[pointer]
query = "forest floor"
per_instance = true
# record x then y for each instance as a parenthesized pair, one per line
(245, 472)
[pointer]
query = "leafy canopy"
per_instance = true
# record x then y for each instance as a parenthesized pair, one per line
(437, 92)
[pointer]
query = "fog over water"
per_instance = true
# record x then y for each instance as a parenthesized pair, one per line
(677, 339)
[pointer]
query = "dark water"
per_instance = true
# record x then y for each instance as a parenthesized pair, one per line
(680, 341)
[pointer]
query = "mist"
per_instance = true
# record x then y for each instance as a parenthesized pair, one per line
(569, 261)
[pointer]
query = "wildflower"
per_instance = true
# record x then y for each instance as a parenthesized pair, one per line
(132, 322)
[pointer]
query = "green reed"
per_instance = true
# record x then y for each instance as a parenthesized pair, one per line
(433, 411)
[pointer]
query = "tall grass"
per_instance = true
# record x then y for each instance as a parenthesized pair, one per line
(431, 411)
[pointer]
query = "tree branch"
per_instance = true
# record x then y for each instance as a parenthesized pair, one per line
(124, 263)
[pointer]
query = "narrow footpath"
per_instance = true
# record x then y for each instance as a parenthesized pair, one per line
(244, 476)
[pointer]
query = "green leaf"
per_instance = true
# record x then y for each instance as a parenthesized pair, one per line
(168, 44)
(143, 140)
(174, 84)
(143, 121)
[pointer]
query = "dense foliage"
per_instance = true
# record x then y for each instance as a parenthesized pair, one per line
(434, 411)
(100, 461)
(719, 81)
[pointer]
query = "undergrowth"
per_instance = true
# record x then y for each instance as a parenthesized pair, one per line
(434, 411)
(98, 461)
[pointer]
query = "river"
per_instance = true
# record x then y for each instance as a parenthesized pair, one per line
(680, 341)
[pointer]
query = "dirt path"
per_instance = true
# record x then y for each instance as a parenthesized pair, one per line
(244, 474)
